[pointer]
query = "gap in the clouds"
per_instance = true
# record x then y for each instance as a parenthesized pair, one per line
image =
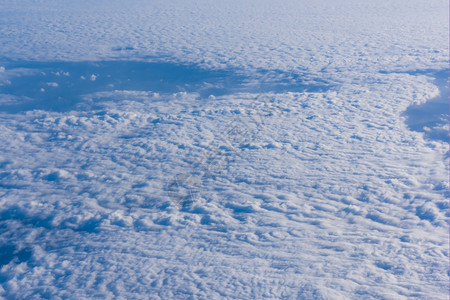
(9, 253)
(59, 86)
(432, 117)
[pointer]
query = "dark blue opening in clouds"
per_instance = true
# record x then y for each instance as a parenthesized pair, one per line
(58, 86)
(432, 116)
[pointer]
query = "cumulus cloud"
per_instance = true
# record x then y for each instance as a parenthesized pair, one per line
(314, 189)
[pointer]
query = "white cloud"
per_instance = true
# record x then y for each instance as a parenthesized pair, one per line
(331, 197)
